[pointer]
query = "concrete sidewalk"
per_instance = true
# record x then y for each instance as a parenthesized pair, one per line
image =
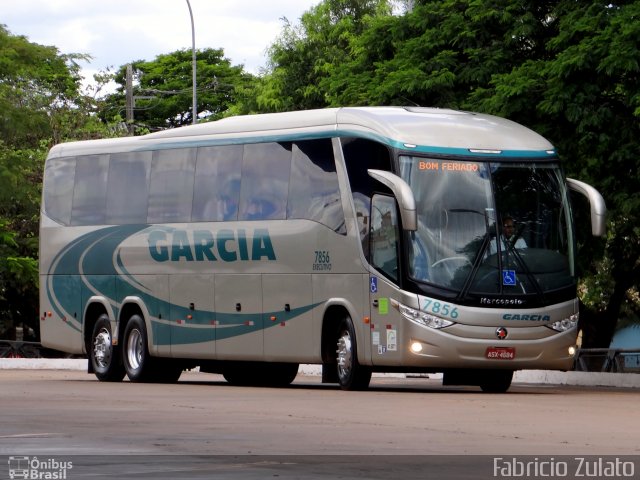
(544, 377)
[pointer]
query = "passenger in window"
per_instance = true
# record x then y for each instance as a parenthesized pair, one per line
(254, 211)
(220, 208)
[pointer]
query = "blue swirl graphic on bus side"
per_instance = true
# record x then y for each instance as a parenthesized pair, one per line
(68, 288)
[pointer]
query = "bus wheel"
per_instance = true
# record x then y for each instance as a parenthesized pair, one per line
(260, 374)
(236, 375)
(496, 381)
(282, 374)
(351, 375)
(137, 362)
(104, 357)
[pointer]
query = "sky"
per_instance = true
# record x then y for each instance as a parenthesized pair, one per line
(116, 32)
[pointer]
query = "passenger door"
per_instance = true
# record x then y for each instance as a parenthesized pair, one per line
(384, 236)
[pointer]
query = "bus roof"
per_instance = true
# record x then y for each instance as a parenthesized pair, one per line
(422, 129)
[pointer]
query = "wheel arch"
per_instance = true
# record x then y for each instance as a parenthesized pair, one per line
(134, 306)
(335, 311)
(95, 307)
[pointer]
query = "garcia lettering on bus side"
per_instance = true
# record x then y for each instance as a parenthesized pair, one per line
(207, 246)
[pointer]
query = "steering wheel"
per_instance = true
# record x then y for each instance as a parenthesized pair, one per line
(451, 259)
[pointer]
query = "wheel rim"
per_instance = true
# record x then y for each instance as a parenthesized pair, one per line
(102, 351)
(345, 354)
(134, 349)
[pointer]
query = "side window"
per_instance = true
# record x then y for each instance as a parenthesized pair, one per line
(58, 181)
(128, 188)
(265, 181)
(361, 155)
(171, 189)
(314, 193)
(384, 235)
(90, 190)
(217, 185)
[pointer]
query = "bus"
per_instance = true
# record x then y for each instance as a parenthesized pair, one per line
(361, 239)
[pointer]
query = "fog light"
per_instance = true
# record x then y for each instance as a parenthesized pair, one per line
(572, 351)
(416, 347)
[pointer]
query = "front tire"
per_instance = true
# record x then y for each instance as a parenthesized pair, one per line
(260, 374)
(351, 375)
(105, 358)
(497, 381)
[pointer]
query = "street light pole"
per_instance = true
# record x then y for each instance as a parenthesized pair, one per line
(193, 61)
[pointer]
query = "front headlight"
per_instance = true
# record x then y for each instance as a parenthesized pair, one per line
(565, 324)
(422, 318)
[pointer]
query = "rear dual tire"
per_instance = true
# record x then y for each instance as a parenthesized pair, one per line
(139, 365)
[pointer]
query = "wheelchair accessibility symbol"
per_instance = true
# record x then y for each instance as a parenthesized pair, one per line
(373, 286)
(508, 278)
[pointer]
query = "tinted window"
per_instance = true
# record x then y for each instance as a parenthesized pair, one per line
(314, 193)
(90, 190)
(171, 190)
(384, 236)
(361, 155)
(128, 188)
(58, 178)
(217, 183)
(265, 181)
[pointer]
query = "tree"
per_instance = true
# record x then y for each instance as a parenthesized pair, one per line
(438, 53)
(20, 180)
(164, 88)
(567, 69)
(40, 104)
(304, 57)
(35, 82)
(583, 93)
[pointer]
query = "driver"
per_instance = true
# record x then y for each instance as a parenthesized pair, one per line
(508, 236)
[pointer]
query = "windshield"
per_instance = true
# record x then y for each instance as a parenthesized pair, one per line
(489, 228)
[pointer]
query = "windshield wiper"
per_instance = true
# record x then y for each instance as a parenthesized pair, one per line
(490, 223)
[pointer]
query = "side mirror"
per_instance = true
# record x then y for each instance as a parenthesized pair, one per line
(598, 207)
(404, 195)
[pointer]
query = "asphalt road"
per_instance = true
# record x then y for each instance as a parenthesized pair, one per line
(251, 431)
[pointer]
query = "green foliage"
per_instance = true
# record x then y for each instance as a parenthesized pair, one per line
(569, 70)
(20, 180)
(163, 90)
(305, 57)
(37, 84)
(40, 104)
(583, 95)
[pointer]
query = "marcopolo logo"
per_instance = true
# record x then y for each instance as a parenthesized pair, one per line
(21, 467)
(204, 245)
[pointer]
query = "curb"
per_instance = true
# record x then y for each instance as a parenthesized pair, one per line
(542, 377)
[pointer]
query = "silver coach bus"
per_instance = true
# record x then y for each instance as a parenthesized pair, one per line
(377, 239)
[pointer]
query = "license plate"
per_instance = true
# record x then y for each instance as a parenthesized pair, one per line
(501, 353)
